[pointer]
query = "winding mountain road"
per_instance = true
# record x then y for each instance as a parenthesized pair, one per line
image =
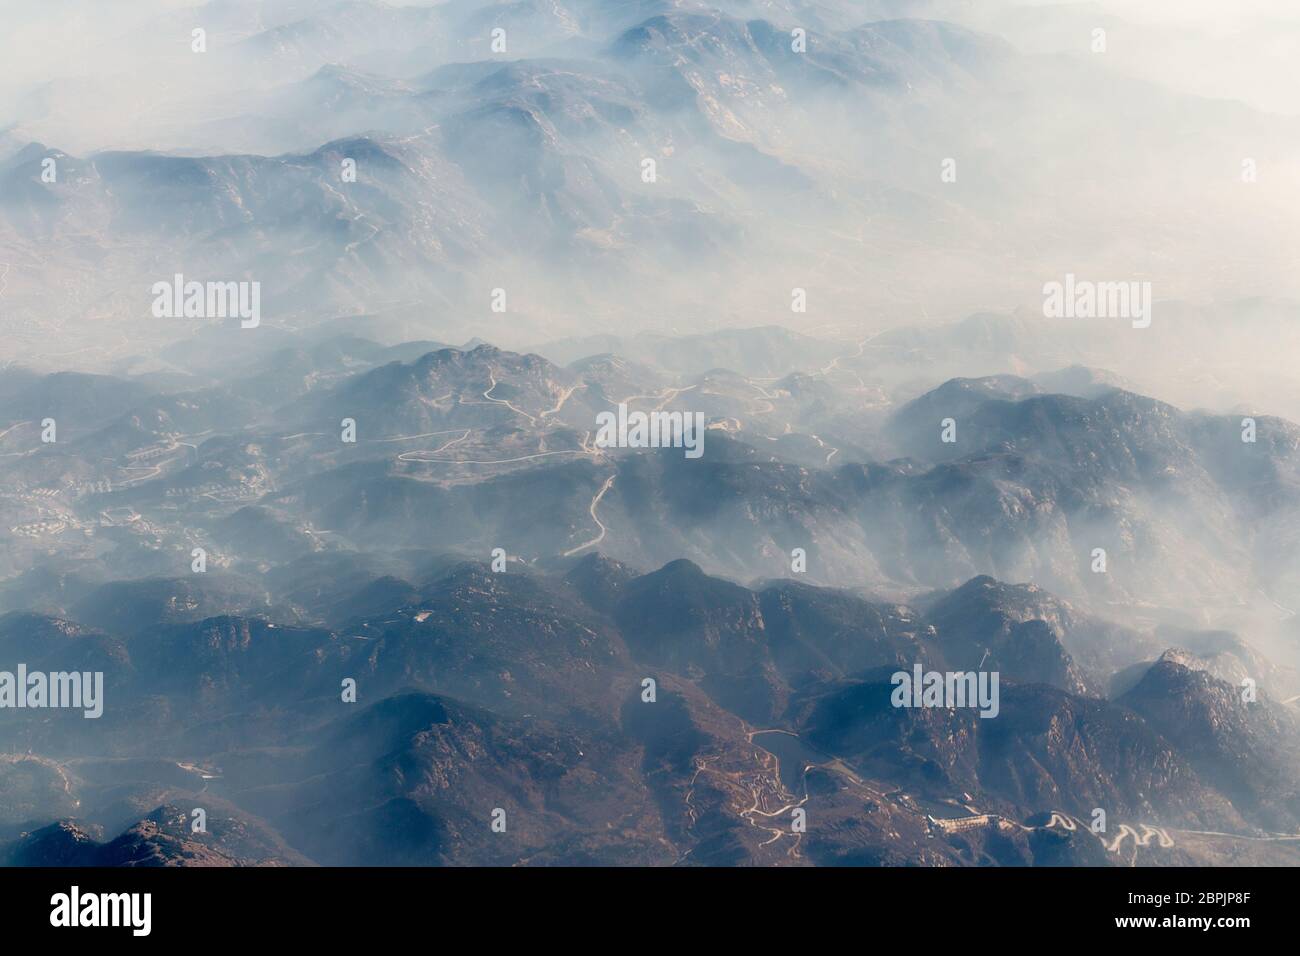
(595, 501)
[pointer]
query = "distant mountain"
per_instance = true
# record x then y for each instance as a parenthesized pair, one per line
(418, 780)
(131, 607)
(1046, 746)
(1033, 484)
(1032, 634)
(163, 838)
(1247, 749)
(1221, 654)
(541, 678)
(77, 403)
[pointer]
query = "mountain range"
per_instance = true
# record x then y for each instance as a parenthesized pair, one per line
(365, 576)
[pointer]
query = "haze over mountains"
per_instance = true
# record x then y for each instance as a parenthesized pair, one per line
(523, 171)
(394, 480)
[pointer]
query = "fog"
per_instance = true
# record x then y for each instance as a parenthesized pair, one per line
(1116, 166)
(309, 312)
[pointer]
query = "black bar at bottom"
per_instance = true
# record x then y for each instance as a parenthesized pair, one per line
(336, 905)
